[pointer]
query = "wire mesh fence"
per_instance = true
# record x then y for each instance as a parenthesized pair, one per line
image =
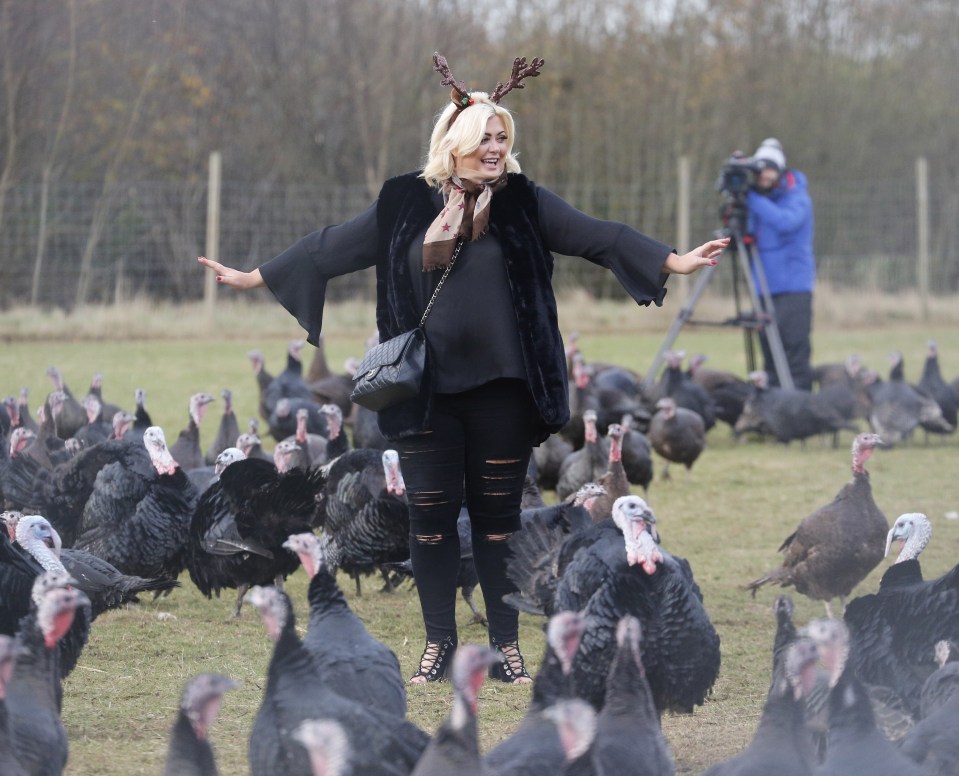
(141, 238)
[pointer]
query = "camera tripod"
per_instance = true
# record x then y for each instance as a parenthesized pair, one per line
(746, 267)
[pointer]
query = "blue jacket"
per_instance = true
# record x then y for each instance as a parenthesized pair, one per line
(782, 223)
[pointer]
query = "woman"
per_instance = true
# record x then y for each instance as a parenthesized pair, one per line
(496, 378)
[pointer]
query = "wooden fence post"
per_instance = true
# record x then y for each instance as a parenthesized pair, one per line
(922, 234)
(683, 194)
(212, 230)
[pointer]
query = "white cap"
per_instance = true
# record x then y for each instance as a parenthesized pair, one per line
(771, 150)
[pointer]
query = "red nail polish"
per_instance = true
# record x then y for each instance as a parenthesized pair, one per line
(219, 278)
(713, 261)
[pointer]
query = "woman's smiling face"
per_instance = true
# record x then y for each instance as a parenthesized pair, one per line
(489, 159)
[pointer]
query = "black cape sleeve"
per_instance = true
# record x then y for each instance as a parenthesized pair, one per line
(298, 276)
(635, 259)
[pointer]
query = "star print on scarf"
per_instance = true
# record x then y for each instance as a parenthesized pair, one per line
(465, 214)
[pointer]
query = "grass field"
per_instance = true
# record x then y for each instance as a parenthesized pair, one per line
(727, 519)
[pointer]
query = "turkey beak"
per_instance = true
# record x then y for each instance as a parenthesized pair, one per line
(889, 537)
(650, 520)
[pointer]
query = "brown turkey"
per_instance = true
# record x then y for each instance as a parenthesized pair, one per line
(677, 434)
(835, 547)
(614, 481)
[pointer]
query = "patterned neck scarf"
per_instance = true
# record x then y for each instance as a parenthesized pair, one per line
(466, 215)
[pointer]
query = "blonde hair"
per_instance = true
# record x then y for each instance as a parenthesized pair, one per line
(464, 137)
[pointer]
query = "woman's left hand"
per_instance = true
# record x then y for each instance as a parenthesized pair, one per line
(705, 255)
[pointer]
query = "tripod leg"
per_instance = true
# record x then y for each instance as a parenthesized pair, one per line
(749, 260)
(685, 314)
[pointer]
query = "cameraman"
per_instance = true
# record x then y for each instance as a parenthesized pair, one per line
(781, 220)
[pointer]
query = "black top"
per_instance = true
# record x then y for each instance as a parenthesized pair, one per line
(472, 328)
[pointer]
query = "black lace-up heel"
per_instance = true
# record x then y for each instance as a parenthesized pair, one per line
(511, 669)
(435, 661)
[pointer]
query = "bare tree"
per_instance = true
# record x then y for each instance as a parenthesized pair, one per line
(50, 162)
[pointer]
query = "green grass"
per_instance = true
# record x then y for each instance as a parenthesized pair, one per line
(727, 519)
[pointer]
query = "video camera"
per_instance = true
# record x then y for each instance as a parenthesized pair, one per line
(738, 175)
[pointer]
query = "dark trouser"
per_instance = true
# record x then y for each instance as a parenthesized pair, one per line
(477, 450)
(794, 319)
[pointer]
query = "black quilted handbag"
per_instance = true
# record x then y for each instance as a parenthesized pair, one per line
(392, 371)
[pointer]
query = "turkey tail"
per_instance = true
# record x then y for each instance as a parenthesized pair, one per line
(521, 604)
(778, 576)
(531, 567)
(130, 586)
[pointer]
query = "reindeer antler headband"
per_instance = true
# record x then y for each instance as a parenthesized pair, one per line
(462, 99)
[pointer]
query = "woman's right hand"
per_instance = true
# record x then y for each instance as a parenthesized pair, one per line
(234, 278)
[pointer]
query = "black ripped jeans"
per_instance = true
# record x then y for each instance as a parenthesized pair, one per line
(476, 452)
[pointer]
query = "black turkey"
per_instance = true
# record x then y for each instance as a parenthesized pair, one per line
(60, 492)
(251, 446)
(834, 549)
(96, 390)
(782, 743)
(283, 419)
(18, 576)
(366, 431)
(894, 631)
(189, 752)
(69, 415)
(934, 742)
(546, 741)
(381, 744)
(363, 512)
(263, 380)
(96, 429)
(587, 464)
(23, 411)
(454, 750)
(34, 692)
(855, 746)
(582, 398)
(9, 762)
(554, 680)
(355, 664)
(682, 389)
(942, 683)
(637, 454)
(226, 433)
(142, 420)
(932, 383)
(727, 391)
(628, 737)
(31, 451)
(548, 457)
(898, 408)
(240, 523)
(788, 414)
(105, 586)
(336, 441)
(138, 516)
(614, 569)
(335, 389)
(186, 450)
(289, 383)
